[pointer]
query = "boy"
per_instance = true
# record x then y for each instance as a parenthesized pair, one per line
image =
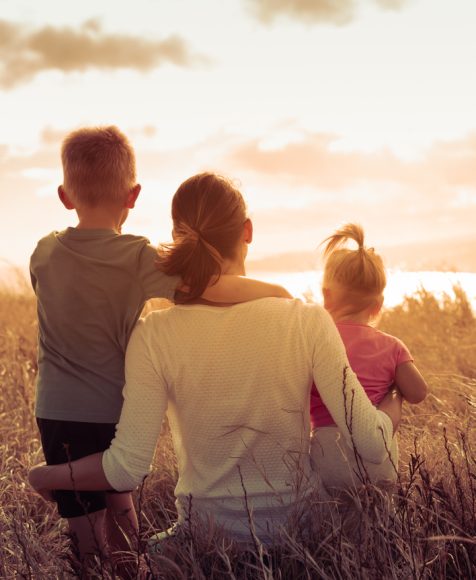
(91, 284)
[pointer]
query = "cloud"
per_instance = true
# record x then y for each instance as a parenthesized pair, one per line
(313, 162)
(334, 11)
(433, 197)
(391, 4)
(53, 136)
(25, 52)
(338, 12)
(445, 168)
(297, 193)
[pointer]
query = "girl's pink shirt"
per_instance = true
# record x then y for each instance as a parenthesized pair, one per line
(373, 356)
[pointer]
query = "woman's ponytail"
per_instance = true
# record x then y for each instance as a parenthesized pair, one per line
(208, 213)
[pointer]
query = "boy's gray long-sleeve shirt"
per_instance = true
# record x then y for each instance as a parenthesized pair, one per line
(91, 286)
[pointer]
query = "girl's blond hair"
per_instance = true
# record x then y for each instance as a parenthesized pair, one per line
(359, 273)
(98, 165)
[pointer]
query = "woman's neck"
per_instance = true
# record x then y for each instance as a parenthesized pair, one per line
(234, 267)
(229, 268)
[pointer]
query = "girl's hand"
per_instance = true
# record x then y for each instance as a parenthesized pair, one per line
(36, 479)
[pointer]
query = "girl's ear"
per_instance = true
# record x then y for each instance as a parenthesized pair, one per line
(327, 295)
(377, 307)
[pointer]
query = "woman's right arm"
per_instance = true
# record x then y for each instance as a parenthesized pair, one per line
(364, 427)
(123, 466)
(130, 455)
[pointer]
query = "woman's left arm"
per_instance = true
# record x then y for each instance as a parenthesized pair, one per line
(124, 465)
(391, 405)
(364, 427)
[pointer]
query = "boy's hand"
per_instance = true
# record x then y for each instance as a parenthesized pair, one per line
(281, 292)
(36, 479)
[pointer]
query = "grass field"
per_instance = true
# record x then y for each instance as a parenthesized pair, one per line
(426, 529)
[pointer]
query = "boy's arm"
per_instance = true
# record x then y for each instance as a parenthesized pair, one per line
(410, 382)
(230, 288)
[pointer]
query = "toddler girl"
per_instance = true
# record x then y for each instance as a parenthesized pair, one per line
(353, 285)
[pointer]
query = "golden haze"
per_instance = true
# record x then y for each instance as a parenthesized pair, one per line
(430, 534)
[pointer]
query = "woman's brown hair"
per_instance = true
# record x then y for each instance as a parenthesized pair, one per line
(208, 214)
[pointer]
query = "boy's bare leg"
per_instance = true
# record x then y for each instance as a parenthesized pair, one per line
(122, 531)
(88, 535)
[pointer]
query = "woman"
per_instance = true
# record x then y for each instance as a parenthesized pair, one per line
(235, 381)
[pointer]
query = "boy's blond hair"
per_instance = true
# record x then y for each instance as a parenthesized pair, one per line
(359, 274)
(98, 165)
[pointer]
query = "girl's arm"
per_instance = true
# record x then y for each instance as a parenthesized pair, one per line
(230, 288)
(123, 466)
(410, 382)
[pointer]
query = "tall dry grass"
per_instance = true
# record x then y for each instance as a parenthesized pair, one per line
(425, 530)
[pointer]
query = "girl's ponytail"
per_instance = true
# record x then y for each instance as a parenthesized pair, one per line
(360, 273)
(344, 233)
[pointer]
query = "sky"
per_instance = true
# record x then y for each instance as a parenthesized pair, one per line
(322, 111)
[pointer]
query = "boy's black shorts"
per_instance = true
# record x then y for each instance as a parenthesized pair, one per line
(65, 441)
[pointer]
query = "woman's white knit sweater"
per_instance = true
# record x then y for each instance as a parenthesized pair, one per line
(235, 382)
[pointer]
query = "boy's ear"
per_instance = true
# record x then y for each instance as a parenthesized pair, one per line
(248, 231)
(132, 196)
(64, 198)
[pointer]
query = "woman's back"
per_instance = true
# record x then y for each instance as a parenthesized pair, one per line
(236, 382)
